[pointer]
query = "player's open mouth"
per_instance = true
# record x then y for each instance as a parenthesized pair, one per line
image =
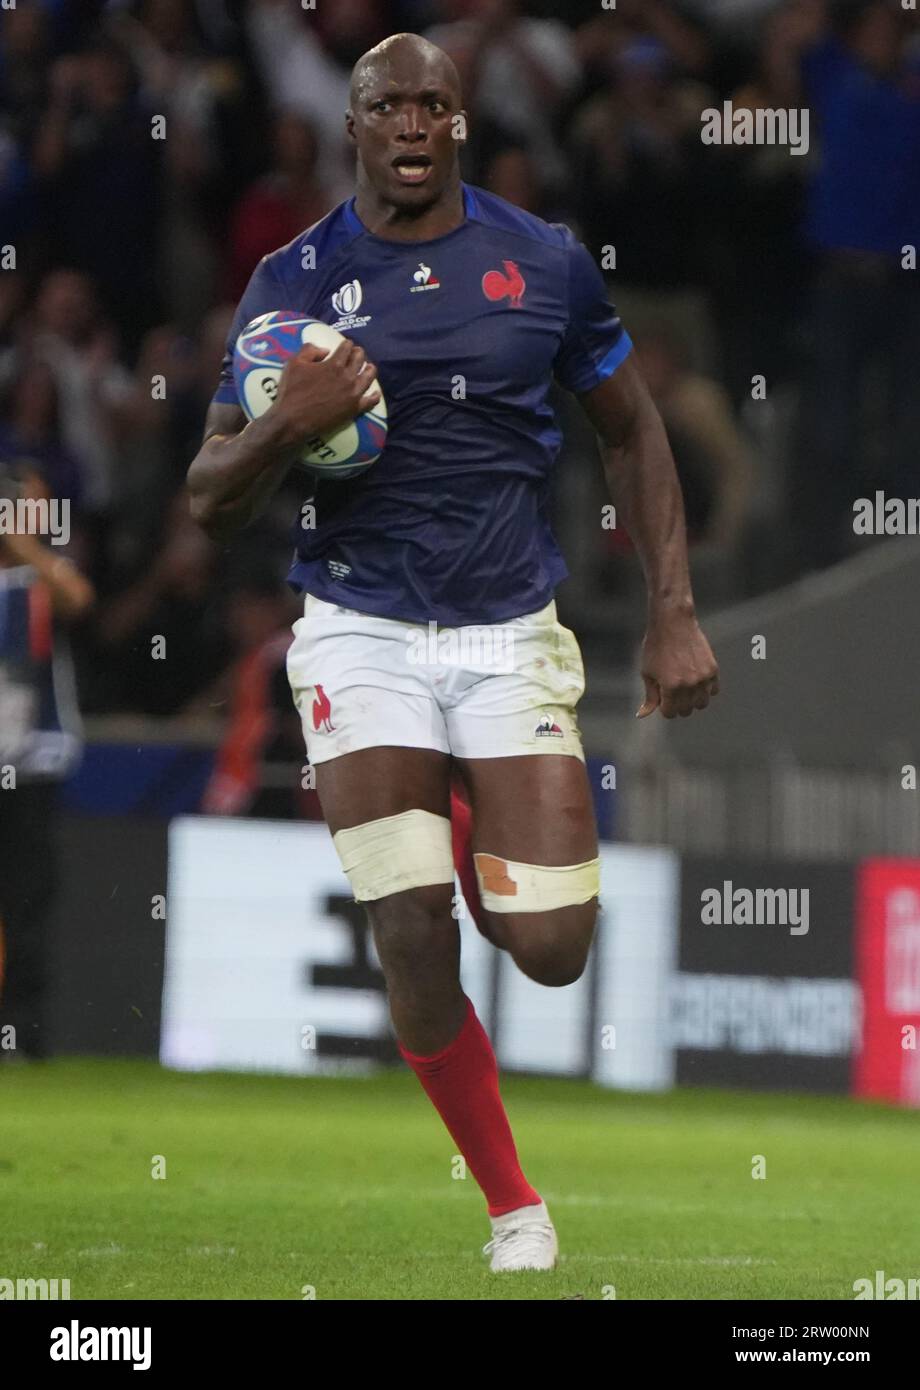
(412, 168)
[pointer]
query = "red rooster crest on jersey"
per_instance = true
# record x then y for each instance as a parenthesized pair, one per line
(510, 285)
(322, 711)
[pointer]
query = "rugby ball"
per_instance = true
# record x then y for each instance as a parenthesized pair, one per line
(261, 351)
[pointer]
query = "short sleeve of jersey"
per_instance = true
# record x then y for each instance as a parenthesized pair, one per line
(263, 295)
(595, 341)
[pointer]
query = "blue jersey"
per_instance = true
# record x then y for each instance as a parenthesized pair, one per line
(467, 331)
(865, 192)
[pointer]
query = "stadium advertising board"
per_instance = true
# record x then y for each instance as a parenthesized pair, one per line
(888, 966)
(764, 994)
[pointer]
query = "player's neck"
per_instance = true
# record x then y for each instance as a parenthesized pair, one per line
(402, 224)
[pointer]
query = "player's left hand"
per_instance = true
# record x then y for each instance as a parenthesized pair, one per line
(678, 667)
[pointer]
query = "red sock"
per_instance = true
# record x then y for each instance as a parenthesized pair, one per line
(461, 823)
(462, 1083)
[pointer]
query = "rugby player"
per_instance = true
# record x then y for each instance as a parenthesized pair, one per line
(465, 308)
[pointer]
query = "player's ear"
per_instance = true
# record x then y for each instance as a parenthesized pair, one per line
(350, 125)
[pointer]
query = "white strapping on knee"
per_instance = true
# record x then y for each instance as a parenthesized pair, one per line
(411, 850)
(505, 886)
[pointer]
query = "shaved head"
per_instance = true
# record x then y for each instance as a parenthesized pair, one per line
(407, 126)
(403, 57)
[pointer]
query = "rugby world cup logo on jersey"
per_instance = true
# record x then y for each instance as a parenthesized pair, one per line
(425, 279)
(346, 302)
(504, 284)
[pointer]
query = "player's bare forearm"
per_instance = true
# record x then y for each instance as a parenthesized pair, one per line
(238, 468)
(642, 482)
(678, 666)
(643, 486)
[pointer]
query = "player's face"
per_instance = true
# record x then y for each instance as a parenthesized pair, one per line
(403, 125)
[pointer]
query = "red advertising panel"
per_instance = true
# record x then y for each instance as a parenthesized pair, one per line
(888, 966)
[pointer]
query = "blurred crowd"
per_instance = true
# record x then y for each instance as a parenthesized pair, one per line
(767, 292)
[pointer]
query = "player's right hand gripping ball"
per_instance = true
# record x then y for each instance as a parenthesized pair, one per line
(262, 349)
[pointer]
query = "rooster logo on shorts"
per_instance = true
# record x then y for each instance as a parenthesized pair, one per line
(322, 711)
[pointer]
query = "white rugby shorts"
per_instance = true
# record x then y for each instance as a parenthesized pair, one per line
(488, 690)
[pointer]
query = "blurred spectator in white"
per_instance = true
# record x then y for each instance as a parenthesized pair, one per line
(515, 73)
(300, 73)
(279, 205)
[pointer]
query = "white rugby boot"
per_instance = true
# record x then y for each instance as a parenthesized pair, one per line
(522, 1239)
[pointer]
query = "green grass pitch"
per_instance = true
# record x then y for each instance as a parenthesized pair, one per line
(344, 1185)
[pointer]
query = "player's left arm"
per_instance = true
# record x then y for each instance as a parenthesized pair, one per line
(678, 667)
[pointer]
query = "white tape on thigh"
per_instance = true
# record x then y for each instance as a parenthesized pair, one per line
(389, 855)
(505, 886)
